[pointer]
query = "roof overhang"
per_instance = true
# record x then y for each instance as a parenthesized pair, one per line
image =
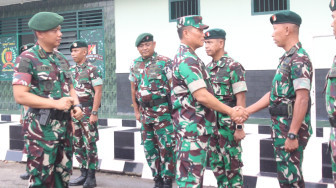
(13, 2)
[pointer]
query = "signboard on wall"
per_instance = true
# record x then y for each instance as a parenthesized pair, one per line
(8, 54)
(95, 40)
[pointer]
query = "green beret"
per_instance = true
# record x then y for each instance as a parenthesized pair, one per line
(286, 16)
(215, 34)
(78, 44)
(332, 5)
(144, 37)
(44, 21)
(193, 20)
(26, 47)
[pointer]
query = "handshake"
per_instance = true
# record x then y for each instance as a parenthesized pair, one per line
(239, 114)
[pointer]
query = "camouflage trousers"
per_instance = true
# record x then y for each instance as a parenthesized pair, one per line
(289, 164)
(191, 159)
(49, 163)
(332, 145)
(84, 140)
(225, 156)
(158, 141)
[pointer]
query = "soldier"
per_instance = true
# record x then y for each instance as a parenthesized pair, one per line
(330, 98)
(88, 84)
(193, 104)
(289, 100)
(23, 109)
(150, 77)
(42, 81)
(227, 77)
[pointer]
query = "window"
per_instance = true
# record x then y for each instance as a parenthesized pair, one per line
(269, 6)
(179, 8)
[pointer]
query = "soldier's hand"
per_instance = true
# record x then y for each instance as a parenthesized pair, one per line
(239, 114)
(77, 113)
(64, 103)
(137, 116)
(291, 145)
(239, 135)
(93, 119)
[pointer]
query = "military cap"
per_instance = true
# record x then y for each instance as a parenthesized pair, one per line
(286, 16)
(26, 47)
(193, 20)
(332, 5)
(44, 21)
(144, 37)
(78, 44)
(215, 34)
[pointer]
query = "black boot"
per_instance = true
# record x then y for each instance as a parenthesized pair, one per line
(158, 182)
(81, 179)
(24, 176)
(91, 179)
(167, 183)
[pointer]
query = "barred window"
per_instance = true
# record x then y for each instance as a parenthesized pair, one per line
(268, 6)
(179, 8)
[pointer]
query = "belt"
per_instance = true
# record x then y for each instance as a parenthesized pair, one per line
(154, 102)
(59, 115)
(87, 104)
(332, 121)
(282, 110)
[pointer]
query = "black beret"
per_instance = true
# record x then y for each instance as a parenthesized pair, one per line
(78, 44)
(332, 5)
(215, 34)
(286, 16)
(26, 47)
(44, 21)
(144, 37)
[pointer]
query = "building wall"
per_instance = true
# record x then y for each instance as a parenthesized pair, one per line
(249, 41)
(108, 107)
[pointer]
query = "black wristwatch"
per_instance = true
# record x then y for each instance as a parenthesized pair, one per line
(78, 105)
(239, 127)
(95, 113)
(292, 136)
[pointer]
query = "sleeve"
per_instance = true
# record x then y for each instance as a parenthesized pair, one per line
(237, 78)
(191, 72)
(96, 77)
(131, 75)
(301, 75)
(22, 71)
(168, 69)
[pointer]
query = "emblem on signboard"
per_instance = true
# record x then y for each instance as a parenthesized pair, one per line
(93, 52)
(7, 58)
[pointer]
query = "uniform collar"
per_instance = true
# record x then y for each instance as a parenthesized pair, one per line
(221, 62)
(42, 53)
(83, 65)
(187, 48)
(293, 49)
(153, 57)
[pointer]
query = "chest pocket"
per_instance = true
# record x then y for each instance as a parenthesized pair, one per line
(45, 81)
(154, 74)
(221, 83)
(84, 78)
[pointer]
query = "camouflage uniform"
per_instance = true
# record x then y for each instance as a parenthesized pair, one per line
(193, 122)
(49, 147)
(331, 105)
(294, 72)
(86, 76)
(151, 80)
(227, 79)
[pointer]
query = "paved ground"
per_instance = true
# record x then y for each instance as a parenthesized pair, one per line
(10, 178)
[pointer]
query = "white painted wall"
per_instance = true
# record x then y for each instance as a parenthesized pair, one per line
(249, 37)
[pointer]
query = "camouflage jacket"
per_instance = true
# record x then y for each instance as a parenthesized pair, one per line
(47, 74)
(227, 79)
(151, 79)
(191, 118)
(330, 97)
(85, 77)
(294, 72)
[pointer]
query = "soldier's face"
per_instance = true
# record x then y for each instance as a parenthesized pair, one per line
(52, 37)
(333, 23)
(213, 46)
(279, 34)
(196, 37)
(79, 54)
(146, 49)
